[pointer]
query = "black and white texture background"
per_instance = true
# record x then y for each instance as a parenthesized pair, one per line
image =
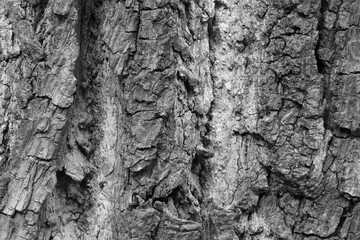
(179, 119)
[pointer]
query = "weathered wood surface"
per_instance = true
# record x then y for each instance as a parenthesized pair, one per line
(179, 119)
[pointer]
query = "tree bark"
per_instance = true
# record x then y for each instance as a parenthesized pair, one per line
(179, 119)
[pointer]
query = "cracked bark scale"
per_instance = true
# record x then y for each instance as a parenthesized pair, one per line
(179, 119)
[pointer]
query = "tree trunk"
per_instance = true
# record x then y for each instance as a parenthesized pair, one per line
(179, 119)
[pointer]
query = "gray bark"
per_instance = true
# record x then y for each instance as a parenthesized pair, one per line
(179, 119)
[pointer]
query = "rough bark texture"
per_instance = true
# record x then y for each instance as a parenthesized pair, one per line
(180, 119)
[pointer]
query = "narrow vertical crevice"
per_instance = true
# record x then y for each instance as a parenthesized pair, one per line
(78, 63)
(5, 150)
(86, 111)
(324, 66)
(213, 32)
(201, 167)
(321, 64)
(75, 196)
(346, 214)
(39, 9)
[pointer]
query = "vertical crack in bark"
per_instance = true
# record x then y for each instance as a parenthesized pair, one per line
(324, 66)
(78, 70)
(347, 213)
(321, 64)
(76, 177)
(39, 8)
